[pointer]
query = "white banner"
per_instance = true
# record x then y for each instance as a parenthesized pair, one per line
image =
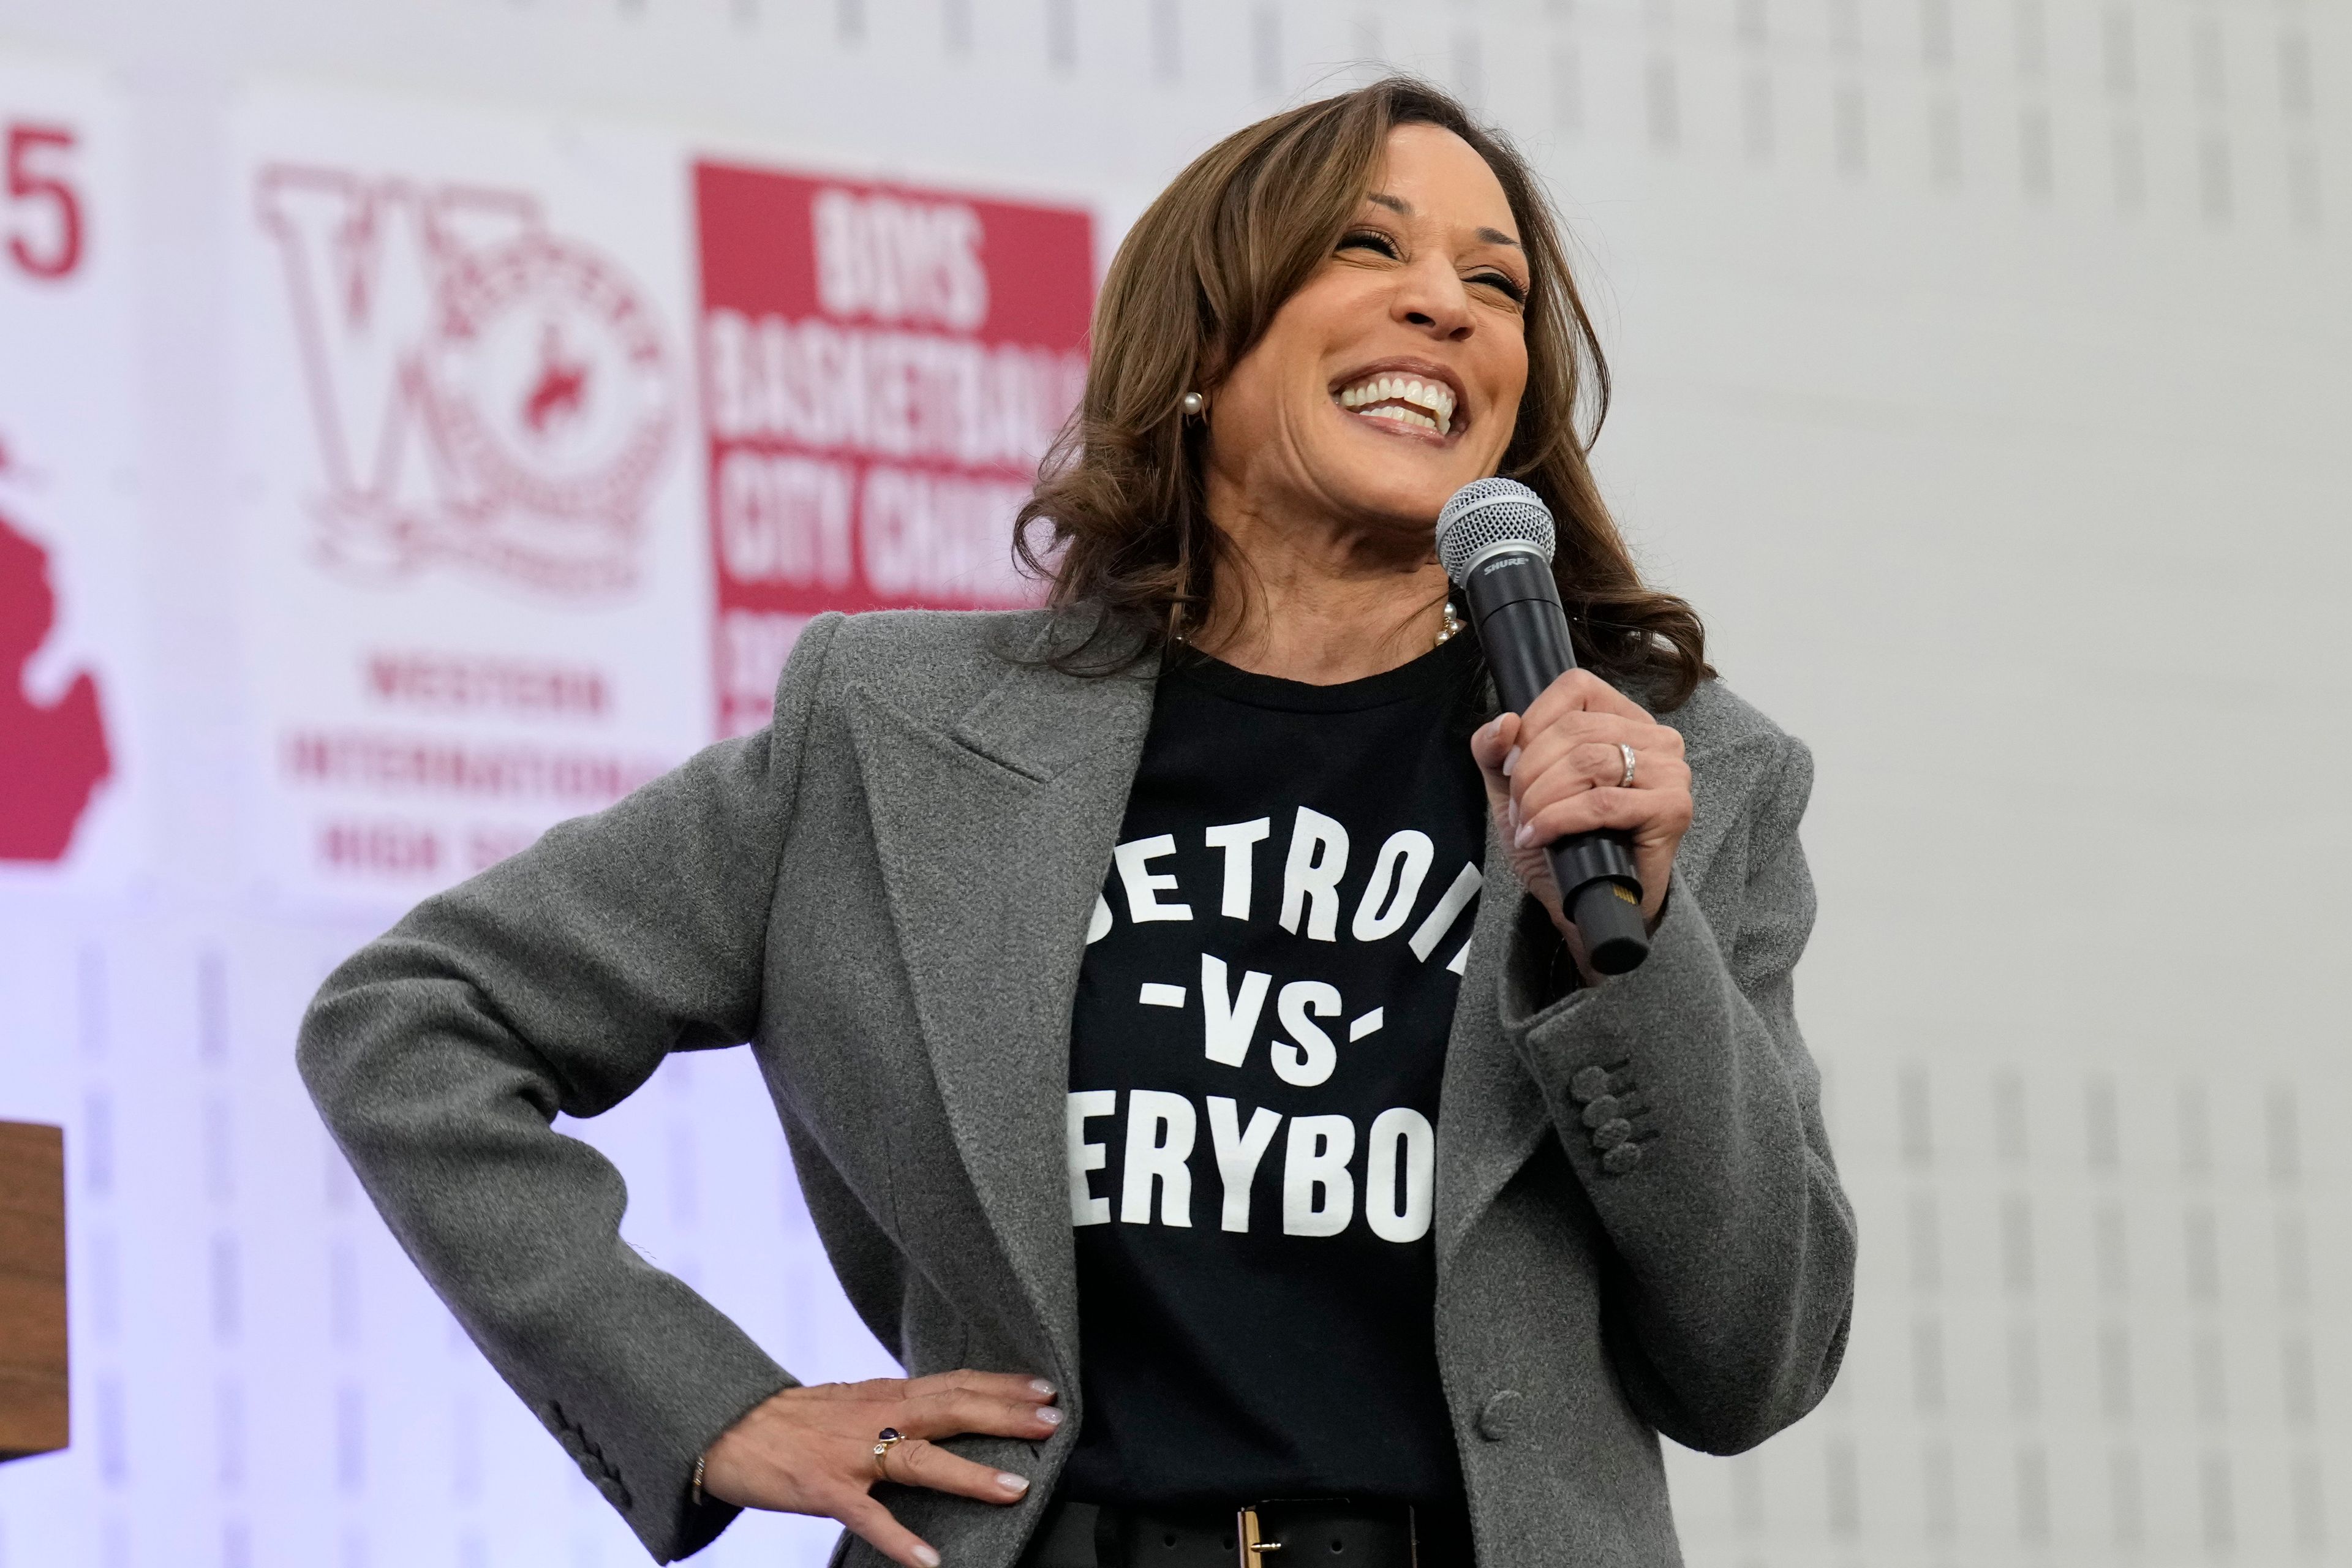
(71, 648)
(477, 592)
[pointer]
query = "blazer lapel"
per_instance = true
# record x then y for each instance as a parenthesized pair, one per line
(994, 838)
(1490, 1113)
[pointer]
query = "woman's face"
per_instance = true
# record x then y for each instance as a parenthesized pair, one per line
(1392, 378)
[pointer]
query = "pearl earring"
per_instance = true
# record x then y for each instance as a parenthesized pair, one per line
(1194, 404)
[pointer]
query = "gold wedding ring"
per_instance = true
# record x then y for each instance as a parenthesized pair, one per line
(890, 1438)
(1627, 782)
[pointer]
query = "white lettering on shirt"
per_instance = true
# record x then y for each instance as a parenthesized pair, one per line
(1407, 1131)
(1467, 883)
(1310, 1061)
(1086, 1104)
(1238, 1153)
(1397, 875)
(1229, 1022)
(1310, 879)
(1315, 1162)
(1237, 840)
(1160, 1131)
(1143, 886)
(1318, 1184)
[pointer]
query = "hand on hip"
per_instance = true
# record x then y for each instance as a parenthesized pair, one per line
(813, 1450)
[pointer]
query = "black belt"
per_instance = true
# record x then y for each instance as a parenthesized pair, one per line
(1276, 1533)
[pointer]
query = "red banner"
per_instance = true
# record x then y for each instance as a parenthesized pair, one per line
(882, 368)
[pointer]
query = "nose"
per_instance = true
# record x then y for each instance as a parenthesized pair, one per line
(1430, 297)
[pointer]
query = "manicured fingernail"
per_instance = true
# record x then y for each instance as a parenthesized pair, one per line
(1510, 760)
(1042, 1386)
(927, 1557)
(1011, 1482)
(1049, 1416)
(1525, 836)
(1511, 813)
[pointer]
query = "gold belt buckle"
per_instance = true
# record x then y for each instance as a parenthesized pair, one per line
(1252, 1545)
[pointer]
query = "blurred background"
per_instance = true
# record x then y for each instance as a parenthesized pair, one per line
(412, 431)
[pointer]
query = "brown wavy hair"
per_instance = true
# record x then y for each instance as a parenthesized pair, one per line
(1194, 286)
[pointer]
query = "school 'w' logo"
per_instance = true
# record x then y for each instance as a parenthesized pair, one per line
(483, 392)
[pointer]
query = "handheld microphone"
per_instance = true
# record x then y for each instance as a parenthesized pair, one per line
(1495, 539)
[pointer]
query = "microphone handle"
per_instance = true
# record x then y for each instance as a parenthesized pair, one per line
(1523, 629)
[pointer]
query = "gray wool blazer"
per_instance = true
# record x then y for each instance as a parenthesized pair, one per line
(886, 893)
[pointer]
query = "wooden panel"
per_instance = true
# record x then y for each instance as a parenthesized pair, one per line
(32, 1289)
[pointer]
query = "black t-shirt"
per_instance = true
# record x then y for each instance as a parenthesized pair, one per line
(1255, 1053)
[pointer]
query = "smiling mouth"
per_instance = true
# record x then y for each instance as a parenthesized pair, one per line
(1404, 400)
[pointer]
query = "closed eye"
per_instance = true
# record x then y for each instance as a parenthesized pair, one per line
(1374, 240)
(1508, 286)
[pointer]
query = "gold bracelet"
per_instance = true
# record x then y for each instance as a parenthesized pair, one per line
(699, 1461)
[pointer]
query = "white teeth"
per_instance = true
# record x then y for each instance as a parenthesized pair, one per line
(1402, 416)
(1432, 402)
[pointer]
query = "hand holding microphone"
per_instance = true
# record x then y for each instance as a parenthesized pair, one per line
(1593, 792)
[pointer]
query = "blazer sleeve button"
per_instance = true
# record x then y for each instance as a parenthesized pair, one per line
(1622, 1159)
(1499, 1416)
(1604, 1109)
(1611, 1133)
(1589, 1085)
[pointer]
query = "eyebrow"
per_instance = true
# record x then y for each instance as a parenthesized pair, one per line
(1403, 208)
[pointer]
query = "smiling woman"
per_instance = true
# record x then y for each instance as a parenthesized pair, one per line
(1303, 263)
(1184, 1056)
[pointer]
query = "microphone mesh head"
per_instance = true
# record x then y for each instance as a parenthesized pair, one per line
(1487, 513)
